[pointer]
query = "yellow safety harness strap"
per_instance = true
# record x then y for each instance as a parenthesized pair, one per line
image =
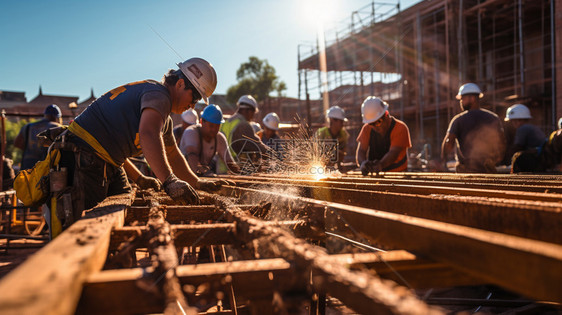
(86, 136)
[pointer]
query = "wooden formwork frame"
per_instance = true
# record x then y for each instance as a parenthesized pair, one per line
(66, 277)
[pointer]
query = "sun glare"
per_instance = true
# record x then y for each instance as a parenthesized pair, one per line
(318, 13)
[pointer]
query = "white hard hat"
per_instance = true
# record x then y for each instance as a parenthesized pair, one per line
(517, 111)
(247, 101)
(469, 88)
(372, 109)
(271, 121)
(201, 74)
(336, 112)
(190, 116)
(256, 126)
(560, 123)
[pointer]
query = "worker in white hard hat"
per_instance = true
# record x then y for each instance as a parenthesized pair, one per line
(130, 120)
(270, 127)
(203, 144)
(383, 140)
(560, 123)
(527, 136)
(241, 138)
(335, 132)
(189, 118)
(476, 133)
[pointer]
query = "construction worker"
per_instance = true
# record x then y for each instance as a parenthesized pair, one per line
(527, 136)
(335, 116)
(127, 121)
(188, 118)
(476, 133)
(545, 158)
(383, 140)
(270, 127)
(560, 123)
(26, 140)
(241, 138)
(201, 144)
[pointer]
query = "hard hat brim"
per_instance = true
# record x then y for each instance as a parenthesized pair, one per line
(459, 96)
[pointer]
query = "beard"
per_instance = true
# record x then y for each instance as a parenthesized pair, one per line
(465, 106)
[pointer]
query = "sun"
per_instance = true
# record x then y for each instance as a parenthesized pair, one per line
(319, 12)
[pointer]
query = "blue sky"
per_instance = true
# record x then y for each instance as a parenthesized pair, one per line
(68, 47)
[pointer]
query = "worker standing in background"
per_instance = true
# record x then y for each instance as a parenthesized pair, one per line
(335, 116)
(476, 133)
(32, 148)
(130, 120)
(527, 136)
(240, 136)
(383, 140)
(188, 118)
(202, 144)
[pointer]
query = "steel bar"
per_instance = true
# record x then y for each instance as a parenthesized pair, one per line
(530, 267)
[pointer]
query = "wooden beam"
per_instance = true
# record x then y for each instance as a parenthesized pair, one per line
(122, 291)
(529, 267)
(524, 218)
(206, 234)
(360, 291)
(176, 214)
(50, 281)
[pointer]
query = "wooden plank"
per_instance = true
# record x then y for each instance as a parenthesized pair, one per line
(177, 214)
(205, 234)
(50, 282)
(524, 218)
(360, 291)
(529, 267)
(122, 291)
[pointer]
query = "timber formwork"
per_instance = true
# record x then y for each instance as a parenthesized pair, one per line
(272, 244)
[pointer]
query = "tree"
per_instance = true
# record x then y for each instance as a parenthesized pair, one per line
(257, 78)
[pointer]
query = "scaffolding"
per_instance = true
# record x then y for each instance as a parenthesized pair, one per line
(417, 58)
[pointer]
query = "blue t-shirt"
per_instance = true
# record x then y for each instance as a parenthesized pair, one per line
(34, 151)
(114, 118)
(529, 136)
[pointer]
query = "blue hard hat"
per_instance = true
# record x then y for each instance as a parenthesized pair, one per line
(53, 110)
(213, 114)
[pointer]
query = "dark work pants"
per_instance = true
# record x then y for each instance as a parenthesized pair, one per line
(91, 179)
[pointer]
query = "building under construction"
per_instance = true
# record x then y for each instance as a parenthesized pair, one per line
(417, 58)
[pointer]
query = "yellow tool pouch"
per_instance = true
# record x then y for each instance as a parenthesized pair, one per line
(32, 185)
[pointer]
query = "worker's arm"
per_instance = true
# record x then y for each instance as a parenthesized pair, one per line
(144, 182)
(361, 154)
(447, 146)
(152, 145)
(387, 159)
(180, 166)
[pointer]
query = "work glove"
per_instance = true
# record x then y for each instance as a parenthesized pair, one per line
(180, 191)
(146, 182)
(366, 167)
(213, 185)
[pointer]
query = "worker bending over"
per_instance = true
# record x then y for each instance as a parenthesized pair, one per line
(476, 133)
(383, 140)
(201, 144)
(335, 116)
(130, 120)
(546, 158)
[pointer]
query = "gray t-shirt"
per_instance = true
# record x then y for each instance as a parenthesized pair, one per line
(195, 153)
(479, 134)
